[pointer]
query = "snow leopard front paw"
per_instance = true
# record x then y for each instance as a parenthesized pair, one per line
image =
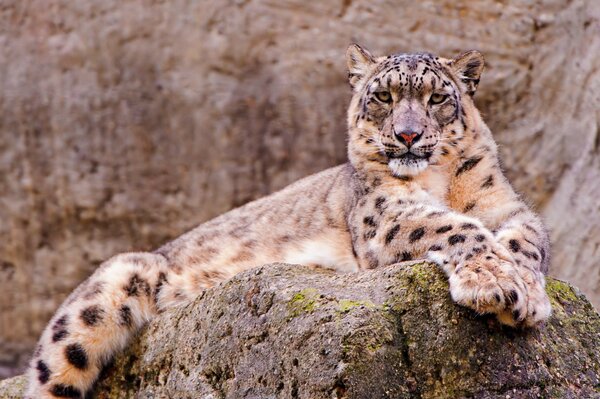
(538, 307)
(488, 283)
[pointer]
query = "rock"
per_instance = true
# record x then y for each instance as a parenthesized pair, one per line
(125, 123)
(284, 331)
(13, 388)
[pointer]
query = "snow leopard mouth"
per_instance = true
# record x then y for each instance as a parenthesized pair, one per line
(408, 163)
(409, 156)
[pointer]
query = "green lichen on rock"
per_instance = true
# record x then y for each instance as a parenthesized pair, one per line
(303, 301)
(284, 331)
(346, 305)
(560, 290)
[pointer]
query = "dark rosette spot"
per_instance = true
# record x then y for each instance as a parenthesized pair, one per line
(43, 372)
(456, 238)
(76, 356)
(515, 246)
(391, 234)
(416, 234)
(92, 315)
(65, 391)
(444, 229)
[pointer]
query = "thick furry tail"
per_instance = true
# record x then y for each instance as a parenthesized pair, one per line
(94, 323)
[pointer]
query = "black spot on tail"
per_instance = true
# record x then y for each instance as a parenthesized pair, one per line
(59, 335)
(137, 260)
(468, 165)
(479, 238)
(94, 290)
(59, 329)
(76, 356)
(125, 316)
(416, 234)
(137, 286)
(62, 322)
(92, 315)
(456, 238)
(65, 391)
(43, 372)
(392, 233)
(435, 248)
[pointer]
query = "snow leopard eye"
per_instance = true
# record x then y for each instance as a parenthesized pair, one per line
(383, 96)
(437, 98)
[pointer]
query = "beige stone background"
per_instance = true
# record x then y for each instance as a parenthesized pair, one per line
(124, 123)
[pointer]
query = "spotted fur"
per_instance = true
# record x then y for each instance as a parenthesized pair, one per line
(422, 181)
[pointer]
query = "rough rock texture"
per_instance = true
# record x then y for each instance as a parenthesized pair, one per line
(284, 331)
(13, 388)
(124, 122)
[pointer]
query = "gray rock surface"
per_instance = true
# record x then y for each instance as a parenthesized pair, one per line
(285, 331)
(124, 123)
(13, 388)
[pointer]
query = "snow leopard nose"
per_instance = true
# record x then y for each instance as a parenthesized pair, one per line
(408, 137)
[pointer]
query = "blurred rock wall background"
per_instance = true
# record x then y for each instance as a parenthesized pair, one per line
(124, 123)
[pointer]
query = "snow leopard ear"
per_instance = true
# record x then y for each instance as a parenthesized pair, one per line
(468, 67)
(359, 62)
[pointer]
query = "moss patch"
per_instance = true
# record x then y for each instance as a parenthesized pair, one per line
(346, 305)
(427, 276)
(304, 301)
(561, 291)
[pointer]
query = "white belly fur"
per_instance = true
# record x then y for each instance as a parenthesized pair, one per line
(329, 250)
